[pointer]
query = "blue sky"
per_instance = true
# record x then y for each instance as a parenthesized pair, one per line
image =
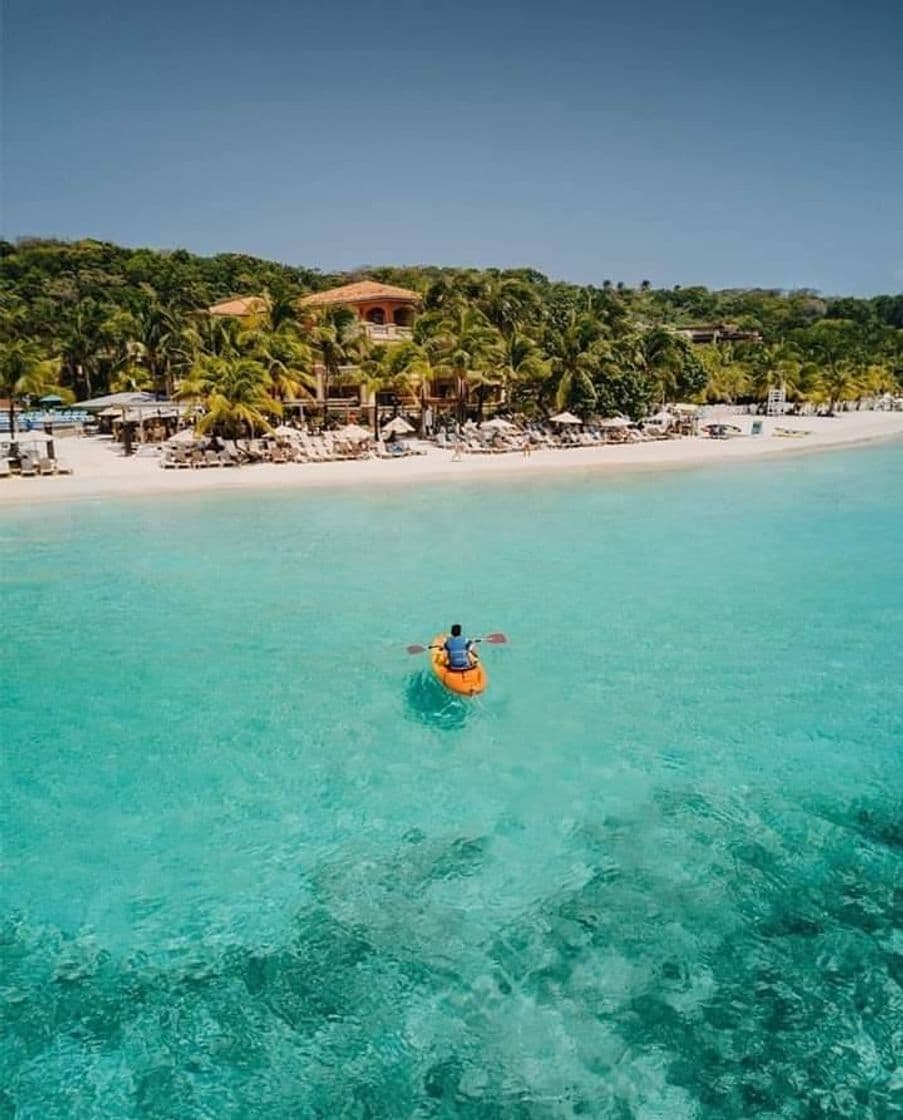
(719, 143)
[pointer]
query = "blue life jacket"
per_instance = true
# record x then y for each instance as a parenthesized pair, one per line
(458, 656)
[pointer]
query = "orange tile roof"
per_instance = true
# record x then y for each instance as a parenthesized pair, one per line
(239, 306)
(361, 292)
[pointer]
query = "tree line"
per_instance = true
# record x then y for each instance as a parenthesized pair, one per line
(86, 318)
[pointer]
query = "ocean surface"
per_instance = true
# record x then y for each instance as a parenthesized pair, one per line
(255, 863)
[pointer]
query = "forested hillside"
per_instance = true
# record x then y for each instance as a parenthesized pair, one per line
(88, 317)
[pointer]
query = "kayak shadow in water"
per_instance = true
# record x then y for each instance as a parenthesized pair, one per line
(428, 702)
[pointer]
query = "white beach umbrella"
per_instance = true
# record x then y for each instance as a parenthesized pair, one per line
(285, 432)
(686, 409)
(614, 422)
(186, 435)
(566, 418)
(497, 424)
(398, 426)
(353, 433)
(661, 417)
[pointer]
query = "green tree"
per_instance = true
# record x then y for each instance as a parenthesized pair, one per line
(287, 357)
(26, 374)
(465, 349)
(235, 393)
(576, 351)
(338, 339)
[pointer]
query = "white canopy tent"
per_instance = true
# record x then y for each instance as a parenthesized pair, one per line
(566, 418)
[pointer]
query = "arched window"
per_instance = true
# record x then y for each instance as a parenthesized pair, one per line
(403, 316)
(376, 315)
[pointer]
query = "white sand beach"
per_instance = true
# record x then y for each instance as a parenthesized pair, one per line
(101, 470)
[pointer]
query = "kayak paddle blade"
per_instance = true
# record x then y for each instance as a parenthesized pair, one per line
(416, 649)
(496, 639)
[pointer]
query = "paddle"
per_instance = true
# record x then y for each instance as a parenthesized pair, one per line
(495, 639)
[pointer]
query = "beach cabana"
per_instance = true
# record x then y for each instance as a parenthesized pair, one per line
(566, 418)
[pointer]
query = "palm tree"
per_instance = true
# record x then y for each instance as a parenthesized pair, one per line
(576, 350)
(524, 368)
(839, 383)
(465, 348)
(509, 303)
(666, 360)
(83, 341)
(236, 393)
(159, 331)
(287, 358)
(338, 339)
(728, 377)
(25, 372)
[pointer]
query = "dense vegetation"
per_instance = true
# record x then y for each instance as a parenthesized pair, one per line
(88, 317)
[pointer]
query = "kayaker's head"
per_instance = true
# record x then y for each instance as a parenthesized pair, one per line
(456, 630)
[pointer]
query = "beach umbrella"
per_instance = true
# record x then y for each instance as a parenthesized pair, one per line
(117, 401)
(686, 409)
(566, 418)
(397, 426)
(353, 433)
(497, 424)
(285, 432)
(51, 398)
(661, 417)
(614, 422)
(186, 435)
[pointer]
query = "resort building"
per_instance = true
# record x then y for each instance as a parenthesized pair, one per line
(387, 315)
(386, 312)
(717, 332)
(248, 309)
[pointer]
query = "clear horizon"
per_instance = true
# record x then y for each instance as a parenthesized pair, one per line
(699, 144)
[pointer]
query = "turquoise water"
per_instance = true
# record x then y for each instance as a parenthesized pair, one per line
(256, 865)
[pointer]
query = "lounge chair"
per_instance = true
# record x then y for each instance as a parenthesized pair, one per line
(212, 458)
(5, 472)
(27, 467)
(46, 466)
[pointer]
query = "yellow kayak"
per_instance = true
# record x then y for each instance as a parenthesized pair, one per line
(463, 682)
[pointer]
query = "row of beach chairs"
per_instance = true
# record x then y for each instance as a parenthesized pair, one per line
(306, 449)
(30, 466)
(480, 443)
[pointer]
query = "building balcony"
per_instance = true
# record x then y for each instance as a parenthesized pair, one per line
(387, 332)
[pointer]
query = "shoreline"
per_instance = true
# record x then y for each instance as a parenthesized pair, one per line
(100, 472)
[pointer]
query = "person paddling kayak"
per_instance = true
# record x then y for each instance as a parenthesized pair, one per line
(460, 651)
